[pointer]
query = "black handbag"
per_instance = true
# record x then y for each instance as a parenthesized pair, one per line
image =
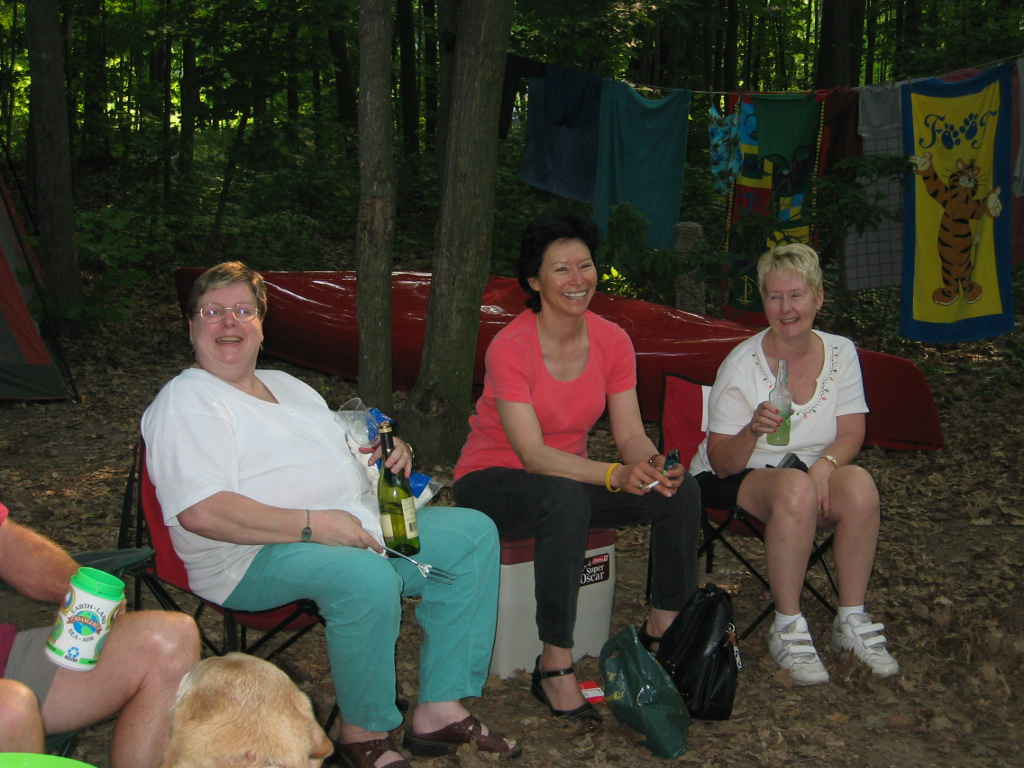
(700, 654)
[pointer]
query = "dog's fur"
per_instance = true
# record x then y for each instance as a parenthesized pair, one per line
(243, 712)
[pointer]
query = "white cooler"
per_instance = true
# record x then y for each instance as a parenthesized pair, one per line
(516, 645)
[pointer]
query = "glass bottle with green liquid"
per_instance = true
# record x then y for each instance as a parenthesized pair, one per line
(781, 398)
(397, 504)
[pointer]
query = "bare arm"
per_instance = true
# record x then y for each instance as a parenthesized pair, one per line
(33, 565)
(524, 433)
(232, 517)
(729, 454)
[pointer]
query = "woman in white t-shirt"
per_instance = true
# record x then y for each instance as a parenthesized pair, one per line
(826, 432)
(266, 505)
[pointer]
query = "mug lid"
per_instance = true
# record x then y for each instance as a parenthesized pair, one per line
(99, 583)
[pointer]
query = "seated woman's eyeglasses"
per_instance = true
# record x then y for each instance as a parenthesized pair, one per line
(215, 313)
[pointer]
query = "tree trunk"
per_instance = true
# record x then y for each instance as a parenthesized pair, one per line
(871, 19)
(291, 77)
(839, 48)
(408, 93)
(343, 86)
(189, 97)
(448, 12)
(375, 221)
(437, 410)
(94, 152)
(51, 153)
(427, 8)
(731, 55)
(167, 106)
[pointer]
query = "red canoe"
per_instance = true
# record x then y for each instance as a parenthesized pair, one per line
(312, 322)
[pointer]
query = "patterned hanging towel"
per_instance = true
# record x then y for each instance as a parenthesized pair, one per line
(724, 135)
(957, 255)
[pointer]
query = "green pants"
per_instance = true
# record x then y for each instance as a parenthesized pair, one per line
(359, 595)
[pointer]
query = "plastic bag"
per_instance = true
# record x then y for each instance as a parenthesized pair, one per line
(642, 696)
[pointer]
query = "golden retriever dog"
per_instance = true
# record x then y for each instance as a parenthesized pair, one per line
(241, 711)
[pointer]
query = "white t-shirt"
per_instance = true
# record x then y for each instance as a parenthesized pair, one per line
(744, 380)
(204, 436)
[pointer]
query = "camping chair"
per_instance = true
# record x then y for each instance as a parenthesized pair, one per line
(684, 420)
(141, 512)
(117, 562)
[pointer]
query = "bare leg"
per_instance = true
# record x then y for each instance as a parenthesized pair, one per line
(787, 502)
(138, 674)
(354, 734)
(21, 726)
(563, 692)
(854, 511)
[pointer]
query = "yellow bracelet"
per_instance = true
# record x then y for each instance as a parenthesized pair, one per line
(608, 478)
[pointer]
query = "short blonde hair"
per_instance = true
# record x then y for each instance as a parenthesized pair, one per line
(794, 259)
(227, 273)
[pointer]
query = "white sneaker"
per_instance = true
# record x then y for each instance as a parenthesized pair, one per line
(793, 648)
(864, 637)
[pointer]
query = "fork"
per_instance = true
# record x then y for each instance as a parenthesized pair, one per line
(427, 571)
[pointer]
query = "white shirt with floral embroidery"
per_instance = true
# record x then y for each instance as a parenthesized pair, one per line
(744, 381)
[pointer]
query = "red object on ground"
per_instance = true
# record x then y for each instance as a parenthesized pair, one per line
(312, 322)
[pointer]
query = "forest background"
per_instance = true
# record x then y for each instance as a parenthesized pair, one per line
(333, 134)
(143, 135)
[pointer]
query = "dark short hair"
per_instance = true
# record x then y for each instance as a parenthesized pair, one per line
(539, 235)
(225, 274)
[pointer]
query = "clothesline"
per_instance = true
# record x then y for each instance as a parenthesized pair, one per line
(887, 83)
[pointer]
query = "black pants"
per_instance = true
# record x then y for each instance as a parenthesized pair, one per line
(559, 512)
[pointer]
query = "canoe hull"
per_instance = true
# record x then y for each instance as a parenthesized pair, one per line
(312, 322)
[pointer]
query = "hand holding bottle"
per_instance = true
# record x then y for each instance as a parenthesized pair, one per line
(400, 460)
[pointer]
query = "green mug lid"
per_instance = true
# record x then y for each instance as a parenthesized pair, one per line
(27, 760)
(98, 583)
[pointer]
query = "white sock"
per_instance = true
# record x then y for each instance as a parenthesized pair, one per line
(845, 611)
(782, 620)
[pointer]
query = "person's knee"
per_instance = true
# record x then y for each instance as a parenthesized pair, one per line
(469, 522)
(795, 495)
(169, 641)
(379, 591)
(19, 710)
(564, 499)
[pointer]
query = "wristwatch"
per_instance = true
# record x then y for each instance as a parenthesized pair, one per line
(307, 532)
(829, 457)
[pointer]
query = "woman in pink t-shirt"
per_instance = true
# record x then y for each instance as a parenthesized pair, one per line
(551, 373)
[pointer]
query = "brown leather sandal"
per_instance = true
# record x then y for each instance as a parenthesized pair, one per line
(363, 754)
(449, 738)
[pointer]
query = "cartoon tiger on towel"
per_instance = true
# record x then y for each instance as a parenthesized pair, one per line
(956, 241)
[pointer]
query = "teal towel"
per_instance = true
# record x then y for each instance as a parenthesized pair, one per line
(641, 152)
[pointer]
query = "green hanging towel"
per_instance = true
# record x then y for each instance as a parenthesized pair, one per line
(641, 151)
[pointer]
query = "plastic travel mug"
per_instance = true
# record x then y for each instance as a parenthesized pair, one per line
(92, 602)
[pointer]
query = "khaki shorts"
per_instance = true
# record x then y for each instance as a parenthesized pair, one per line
(29, 664)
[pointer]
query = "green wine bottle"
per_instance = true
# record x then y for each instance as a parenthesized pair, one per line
(397, 504)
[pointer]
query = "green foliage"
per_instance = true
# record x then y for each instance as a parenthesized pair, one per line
(629, 266)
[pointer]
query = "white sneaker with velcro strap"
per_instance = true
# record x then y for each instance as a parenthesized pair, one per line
(858, 633)
(792, 647)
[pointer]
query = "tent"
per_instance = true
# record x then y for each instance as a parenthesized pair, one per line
(27, 369)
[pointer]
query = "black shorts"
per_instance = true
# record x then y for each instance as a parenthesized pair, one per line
(720, 492)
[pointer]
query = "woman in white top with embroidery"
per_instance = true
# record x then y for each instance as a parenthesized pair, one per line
(827, 430)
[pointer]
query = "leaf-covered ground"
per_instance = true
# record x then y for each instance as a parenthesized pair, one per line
(948, 568)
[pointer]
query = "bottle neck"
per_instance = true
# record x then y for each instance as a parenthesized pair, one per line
(387, 441)
(783, 374)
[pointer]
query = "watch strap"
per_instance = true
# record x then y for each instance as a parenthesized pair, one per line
(307, 532)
